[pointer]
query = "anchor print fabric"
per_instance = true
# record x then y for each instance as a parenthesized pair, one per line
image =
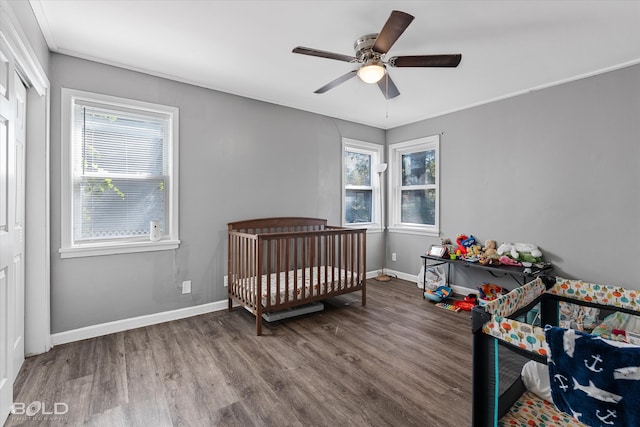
(596, 381)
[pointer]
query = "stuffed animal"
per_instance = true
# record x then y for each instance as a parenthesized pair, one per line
(489, 248)
(461, 250)
(464, 243)
(474, 250)
(506, 260)
(524, 253)
(489, 255)
(446, 243)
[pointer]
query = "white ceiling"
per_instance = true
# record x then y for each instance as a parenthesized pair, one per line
(244, 47)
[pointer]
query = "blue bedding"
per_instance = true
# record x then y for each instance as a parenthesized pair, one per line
(595, 380)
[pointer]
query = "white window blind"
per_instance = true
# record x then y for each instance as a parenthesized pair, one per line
(119, 173)
(121, 170)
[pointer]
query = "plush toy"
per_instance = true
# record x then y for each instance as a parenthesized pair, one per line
(489, 255)
(524, 253)
(474, 251)
(461, 250)
(505, 260)
(489, 248)
(464, 243)
(446, 243)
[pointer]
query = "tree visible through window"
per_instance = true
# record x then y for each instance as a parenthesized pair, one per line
(418, 202)
(119, 174)
(361, 205)
(358, 187)
(413, 172)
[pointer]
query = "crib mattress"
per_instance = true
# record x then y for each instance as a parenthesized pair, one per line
(314, 284)
(532, 411)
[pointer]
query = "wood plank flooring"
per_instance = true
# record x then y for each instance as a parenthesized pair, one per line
(398, 361)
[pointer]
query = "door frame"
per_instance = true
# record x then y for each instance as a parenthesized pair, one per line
(37, 185)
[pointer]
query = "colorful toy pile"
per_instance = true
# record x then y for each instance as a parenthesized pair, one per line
(489, 292)
(469, 249)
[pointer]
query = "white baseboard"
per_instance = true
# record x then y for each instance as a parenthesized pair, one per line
(135, 322)
(460, 290)
(182, 313)
(401, 275)
(141, 321)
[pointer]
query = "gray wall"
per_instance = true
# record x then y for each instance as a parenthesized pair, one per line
(558, 167)
(239, 159)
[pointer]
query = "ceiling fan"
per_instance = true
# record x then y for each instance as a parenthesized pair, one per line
(370, 51)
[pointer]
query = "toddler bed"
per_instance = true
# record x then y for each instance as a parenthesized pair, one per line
(572, 378)
(279, 263)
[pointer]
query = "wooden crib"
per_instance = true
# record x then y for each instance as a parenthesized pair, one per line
(280, 263)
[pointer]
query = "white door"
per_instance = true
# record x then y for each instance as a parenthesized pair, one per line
(12, 149)
(19, 145)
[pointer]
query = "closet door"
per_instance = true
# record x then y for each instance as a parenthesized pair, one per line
(12, 199)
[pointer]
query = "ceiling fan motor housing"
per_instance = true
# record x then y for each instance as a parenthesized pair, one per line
(363, 47)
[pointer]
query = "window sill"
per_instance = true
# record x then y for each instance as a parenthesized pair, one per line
(415, 230)
(117, 248)
(370, 227)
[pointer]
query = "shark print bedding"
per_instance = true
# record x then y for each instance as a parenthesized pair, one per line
(595, 380)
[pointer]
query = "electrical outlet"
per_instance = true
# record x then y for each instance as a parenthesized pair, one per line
(186, 287)
(393, 257)
(226, 281)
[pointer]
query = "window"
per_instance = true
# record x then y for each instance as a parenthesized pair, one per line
(119, 165)
(361, 189)
(414, 186)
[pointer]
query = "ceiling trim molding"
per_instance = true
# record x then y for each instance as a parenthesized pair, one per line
(43, 22)
(24, 55)
(530, 90)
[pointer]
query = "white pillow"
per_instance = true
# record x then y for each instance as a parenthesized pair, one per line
(535, 377)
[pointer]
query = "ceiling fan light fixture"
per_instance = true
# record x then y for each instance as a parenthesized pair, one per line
(371, 72)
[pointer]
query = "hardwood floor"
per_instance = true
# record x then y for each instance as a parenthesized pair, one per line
(398, 361)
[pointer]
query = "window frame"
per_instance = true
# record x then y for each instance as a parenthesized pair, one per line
(376, 153)
(170, 239)
(395, 153)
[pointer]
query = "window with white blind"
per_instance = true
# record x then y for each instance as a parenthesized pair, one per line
(119, 174)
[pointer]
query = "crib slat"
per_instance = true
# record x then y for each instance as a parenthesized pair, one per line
(316, 238)
(258, 288)
(295, 268)
(268, 273)
(305, 263)
(276, 269)
(353, 257)
(286, 269)
(332, 253)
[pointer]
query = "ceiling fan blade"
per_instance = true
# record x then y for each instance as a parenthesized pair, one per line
(425, 61)
(337, 82)
(323, 54)
(394, 27)
(388, 87)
